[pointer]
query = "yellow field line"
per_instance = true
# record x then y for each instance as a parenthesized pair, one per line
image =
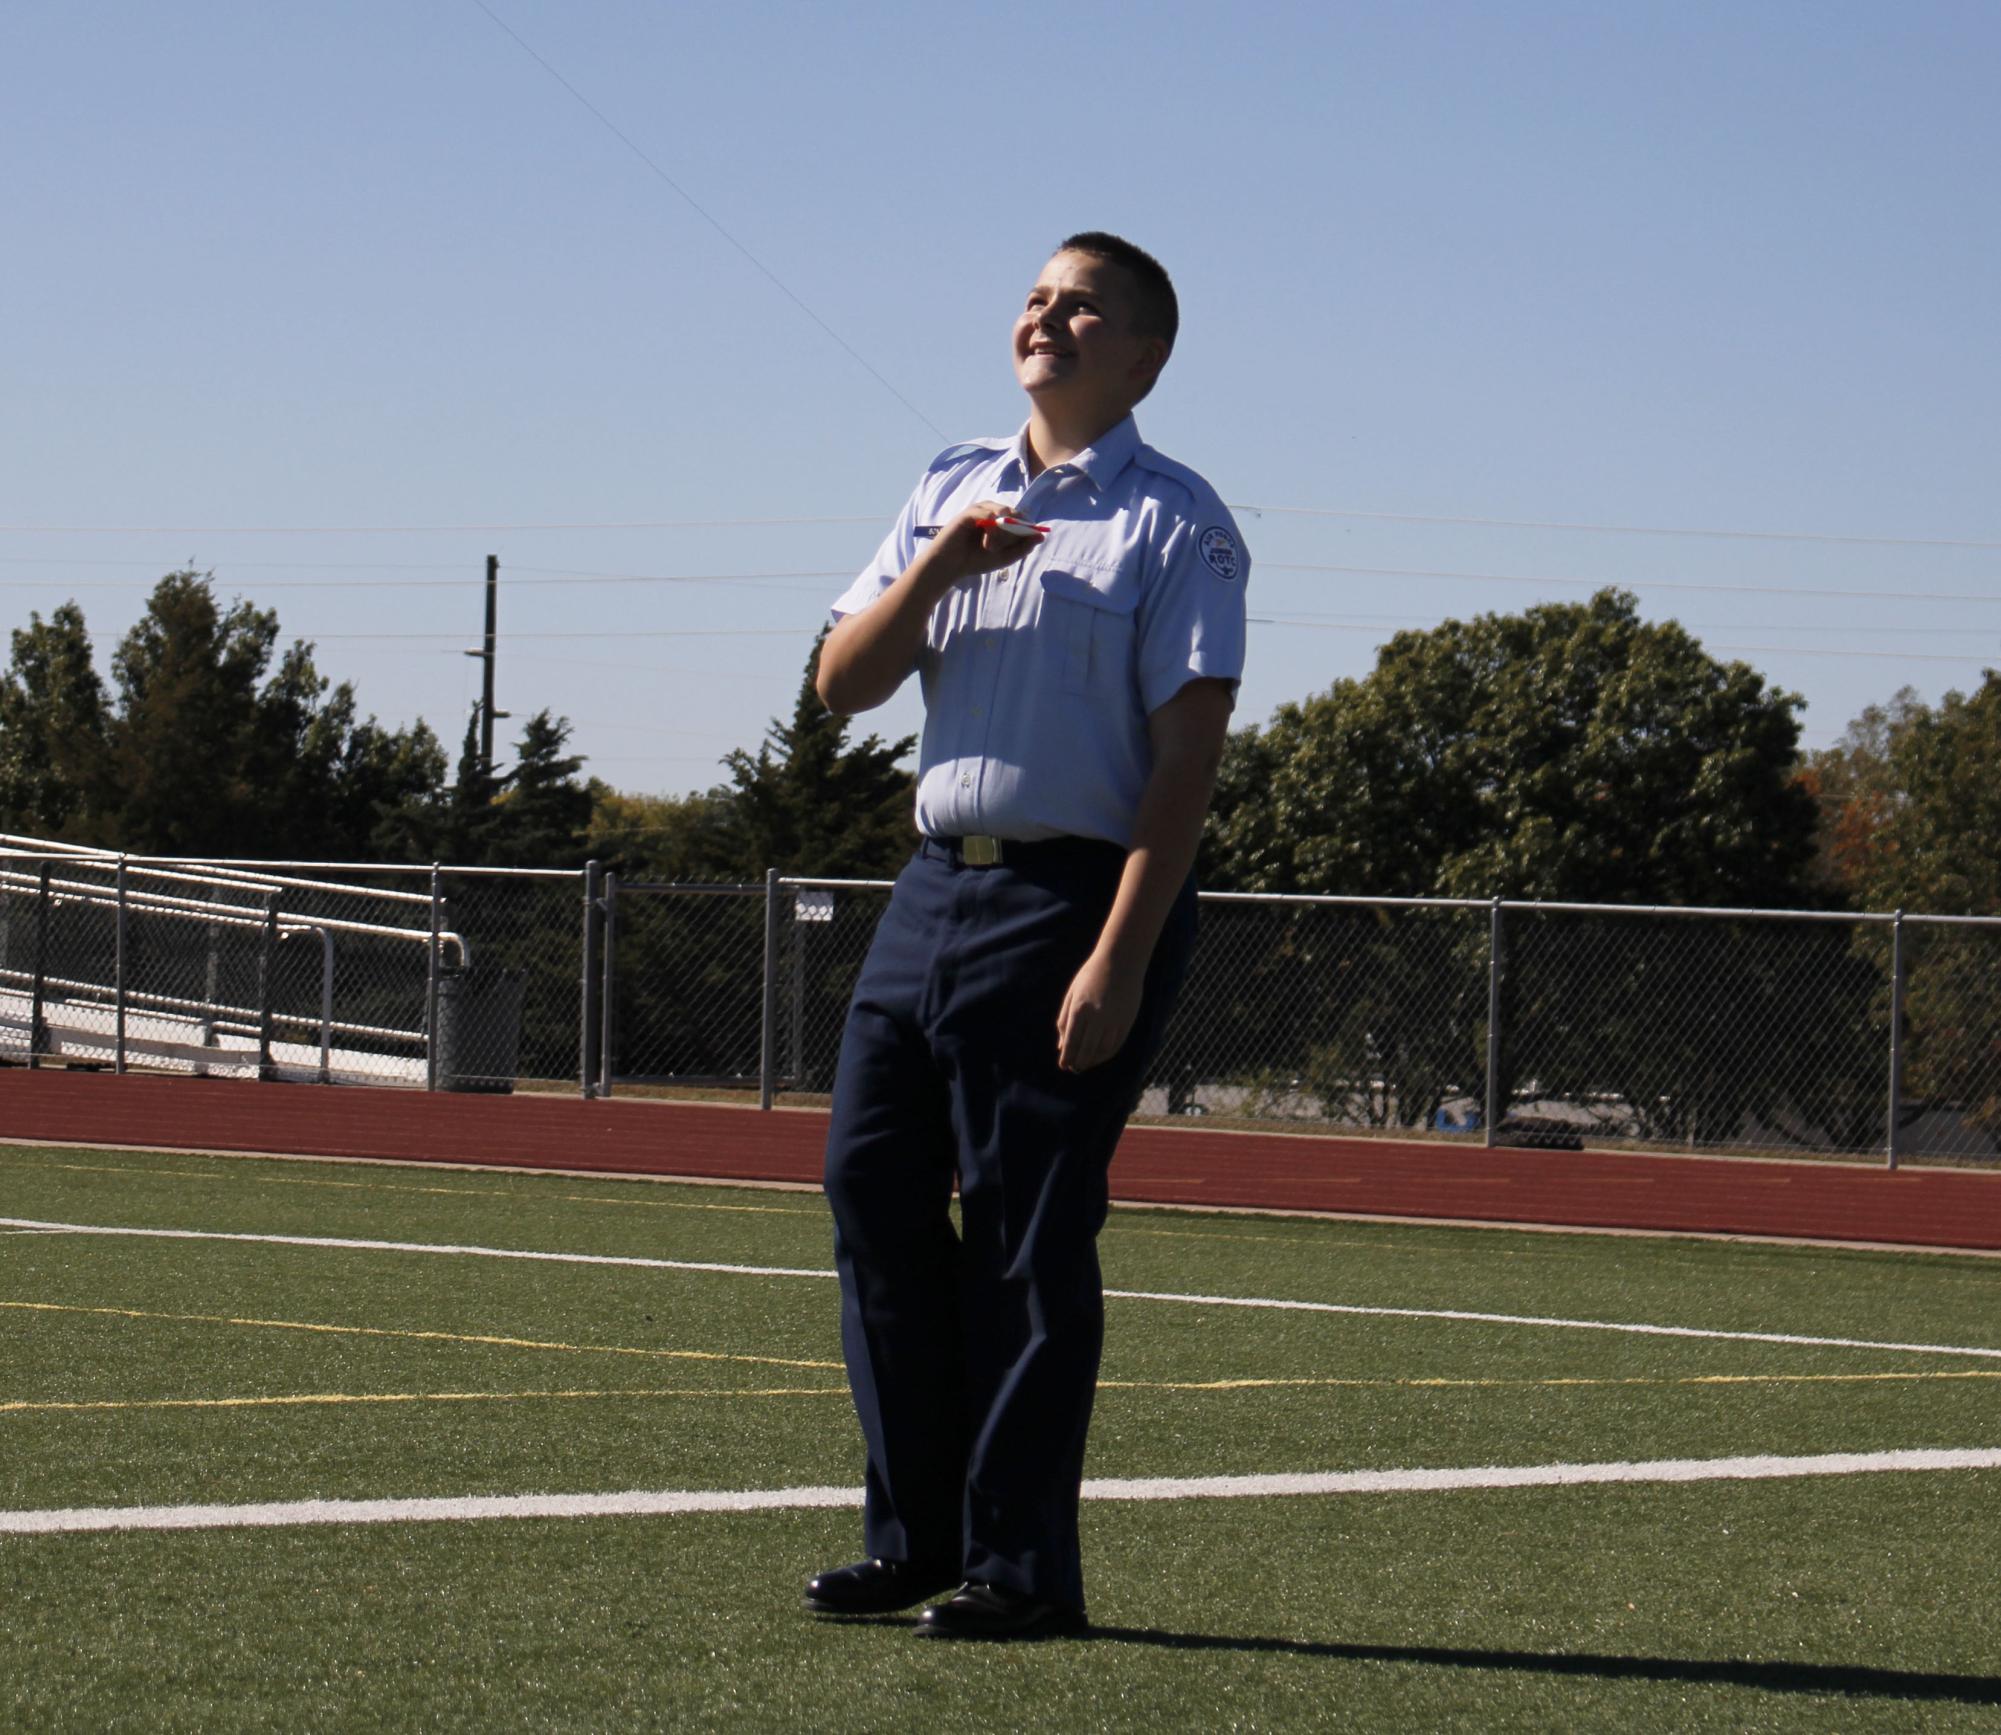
(337, 1398)
(1247, 1385)
(397, 1187)
(422, 1336)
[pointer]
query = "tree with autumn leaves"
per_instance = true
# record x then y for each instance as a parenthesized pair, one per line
(1910, 802)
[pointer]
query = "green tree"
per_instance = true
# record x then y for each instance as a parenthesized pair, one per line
(1910, 803)
(386, 788)
(52, 727)
(208, 748)
(465, 820)
(809, 803)
(1572, 751)
(542, 808)
(1910, 808)
(686, 839)
(185, 747)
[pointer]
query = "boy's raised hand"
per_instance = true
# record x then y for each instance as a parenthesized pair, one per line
(868, 654)
(975, 542)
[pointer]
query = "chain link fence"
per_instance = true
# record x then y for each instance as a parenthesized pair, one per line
(1365, 1016)
(686, 968)
(298, 972)
(1497, 1023)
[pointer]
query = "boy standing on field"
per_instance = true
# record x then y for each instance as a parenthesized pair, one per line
(1073, 603)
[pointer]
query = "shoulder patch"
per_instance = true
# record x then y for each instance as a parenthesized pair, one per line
(1219, 553)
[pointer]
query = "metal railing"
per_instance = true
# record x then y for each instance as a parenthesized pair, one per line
(1490, 1022)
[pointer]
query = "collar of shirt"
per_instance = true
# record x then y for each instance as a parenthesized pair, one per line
(1099, 462)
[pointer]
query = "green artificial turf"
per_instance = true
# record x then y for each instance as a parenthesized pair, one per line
(140, 1371)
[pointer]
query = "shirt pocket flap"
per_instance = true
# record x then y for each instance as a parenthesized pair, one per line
(1096, 584)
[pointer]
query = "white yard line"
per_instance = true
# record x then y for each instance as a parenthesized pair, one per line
(339, 1241)
(661, 1504)
(1454, 1313)
(1458, 1315)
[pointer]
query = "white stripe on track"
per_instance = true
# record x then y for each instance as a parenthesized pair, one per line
(1460, 1315)
(647, 1505)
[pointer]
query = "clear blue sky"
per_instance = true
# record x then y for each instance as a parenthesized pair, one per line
(1697, 266)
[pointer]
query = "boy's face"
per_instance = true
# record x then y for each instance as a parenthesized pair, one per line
(1075, 348)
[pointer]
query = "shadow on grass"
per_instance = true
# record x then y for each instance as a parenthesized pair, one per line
(1773, 1677)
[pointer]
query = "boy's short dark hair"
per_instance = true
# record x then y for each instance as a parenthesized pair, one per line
(1156, 310)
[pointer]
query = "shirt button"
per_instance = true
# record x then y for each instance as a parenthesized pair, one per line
(965, 780)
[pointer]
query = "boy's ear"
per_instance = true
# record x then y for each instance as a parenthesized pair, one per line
(1152, 358)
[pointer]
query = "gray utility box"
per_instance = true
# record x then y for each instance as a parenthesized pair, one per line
(479, 1029)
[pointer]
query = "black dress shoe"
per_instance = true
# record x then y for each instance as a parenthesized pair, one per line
(992, 1611)
(877, 1587)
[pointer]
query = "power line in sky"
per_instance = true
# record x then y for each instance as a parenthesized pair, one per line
(539, 576)
(877, 518)
(1951, 629)
(1444, 574)
(534, 635)
(541, 634)
(526, 576)
(1621, 529)
(690, 201)
(1461, 520)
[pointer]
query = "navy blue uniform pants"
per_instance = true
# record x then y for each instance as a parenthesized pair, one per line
(973, 1356)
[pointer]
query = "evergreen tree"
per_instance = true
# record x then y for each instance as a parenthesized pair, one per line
(206, 750)
(468, 820)
(184, 741)
(811, 804)
(387, 790)
(52, 729)
(543, 812)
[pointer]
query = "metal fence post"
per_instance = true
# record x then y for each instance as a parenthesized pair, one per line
(768, 1043)
(1896, 1036)
(431, 981)
(326, 1006)
(267, 948)
(1492, 1108)
(587, 1034)
(37, 1030)
(118, 978)
(607, 1028)
(796, 1069)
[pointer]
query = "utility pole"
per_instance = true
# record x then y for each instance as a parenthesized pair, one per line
(486, 711)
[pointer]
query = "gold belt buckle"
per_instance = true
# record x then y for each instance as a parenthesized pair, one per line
(980, 851)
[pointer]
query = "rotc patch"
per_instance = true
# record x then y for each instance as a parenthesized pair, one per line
(1219, 551)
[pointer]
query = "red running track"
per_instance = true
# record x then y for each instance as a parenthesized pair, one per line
(1155, 1165)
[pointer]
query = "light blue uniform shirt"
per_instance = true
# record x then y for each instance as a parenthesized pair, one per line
(1039, 678)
